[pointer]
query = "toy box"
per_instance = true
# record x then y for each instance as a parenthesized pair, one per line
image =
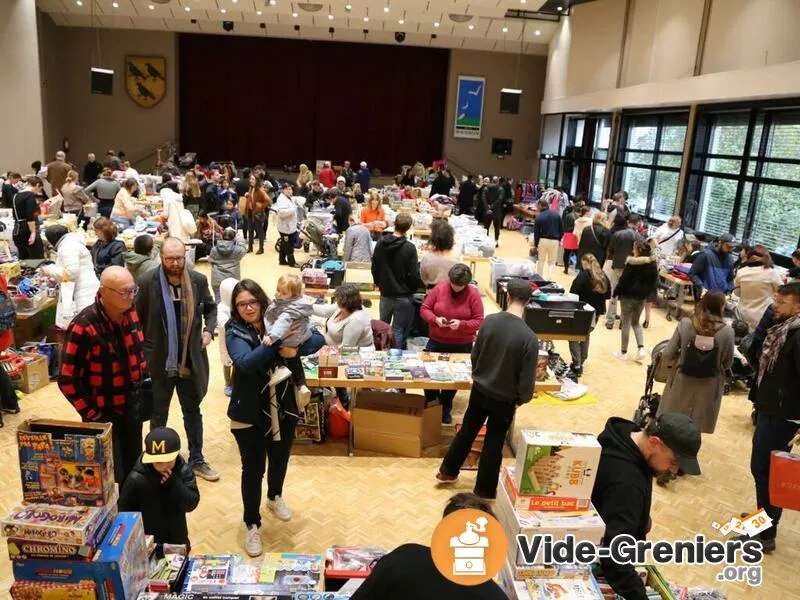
(38, 590)
(555, 503)
(53, 524)
(35, 375)
(64, 462)
(556, 464)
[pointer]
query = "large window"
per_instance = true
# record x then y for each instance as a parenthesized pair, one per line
(648, 162)
(745, 176)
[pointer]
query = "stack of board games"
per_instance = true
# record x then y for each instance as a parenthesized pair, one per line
(350, 562)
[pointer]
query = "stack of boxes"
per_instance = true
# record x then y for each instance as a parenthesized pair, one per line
(66, 541)
(548, 492)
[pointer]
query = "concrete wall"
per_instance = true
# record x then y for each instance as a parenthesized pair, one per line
(20, 92)
(751, 51)
(523, 128)
(96, 123)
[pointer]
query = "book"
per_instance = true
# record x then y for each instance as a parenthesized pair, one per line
(393, 375)
(373, 370)
(419, 373)
(354, 371)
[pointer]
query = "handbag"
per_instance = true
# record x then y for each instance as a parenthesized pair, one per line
(67, 308)
(784, 480)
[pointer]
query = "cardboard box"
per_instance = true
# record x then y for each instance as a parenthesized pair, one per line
(395, 423)
(583, 526)
(119, 569)
(65, 462)
(328, 372)
(557, 464)
(529, 503)
(53, 524)
(38, 590)
(35, 375)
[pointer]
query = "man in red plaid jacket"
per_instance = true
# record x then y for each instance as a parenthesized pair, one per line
(103, 363)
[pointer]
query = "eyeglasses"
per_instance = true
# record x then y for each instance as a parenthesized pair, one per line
(174, 259)
(250, 304)
(129, 293)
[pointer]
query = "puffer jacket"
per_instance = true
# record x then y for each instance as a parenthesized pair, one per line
(639, 278)
(226, 259)
(713, 271)
(74, 263)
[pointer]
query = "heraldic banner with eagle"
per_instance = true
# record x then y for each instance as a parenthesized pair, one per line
(146, 79)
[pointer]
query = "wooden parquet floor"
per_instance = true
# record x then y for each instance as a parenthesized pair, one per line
(380, 500)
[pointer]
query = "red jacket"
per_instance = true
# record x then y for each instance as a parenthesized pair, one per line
(467, 308)
(327, 177)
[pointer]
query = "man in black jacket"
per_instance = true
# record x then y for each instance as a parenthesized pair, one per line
(341, 210)
(492, 197)
(440, 185)
(395, 270)
(179, 317)
(777, 402)
(503, 375)
(162, 487)
(91, 170)
(466, 196)
(623, 489)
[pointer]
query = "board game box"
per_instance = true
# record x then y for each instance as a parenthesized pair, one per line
(40, 590)
(53, 524)
(64, 462)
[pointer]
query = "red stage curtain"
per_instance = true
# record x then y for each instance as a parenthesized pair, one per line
(279, 101)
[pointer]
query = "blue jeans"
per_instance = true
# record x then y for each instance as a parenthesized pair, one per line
(122, 222)
(310, 346)
(399, 312)
(445, 397)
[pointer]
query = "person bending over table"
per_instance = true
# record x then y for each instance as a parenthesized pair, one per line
(454, 311)
(263, 417)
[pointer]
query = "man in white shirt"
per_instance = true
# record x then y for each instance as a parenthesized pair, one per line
(669, 236)
(130, 172)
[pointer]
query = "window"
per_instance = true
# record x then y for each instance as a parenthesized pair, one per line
(745, 177)
(649, 162)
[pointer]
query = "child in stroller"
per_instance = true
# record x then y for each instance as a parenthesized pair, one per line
(741, 371)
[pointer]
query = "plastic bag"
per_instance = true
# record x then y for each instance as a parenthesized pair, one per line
(338, 420)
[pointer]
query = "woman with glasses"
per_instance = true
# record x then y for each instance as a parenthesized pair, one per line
(263, 417)
(74, 265)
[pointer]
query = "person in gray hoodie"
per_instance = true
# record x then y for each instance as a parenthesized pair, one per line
(226, 260)
(357, 243)
(143, 257)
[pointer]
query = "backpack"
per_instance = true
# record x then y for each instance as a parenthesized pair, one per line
(700, 358)
(8, 314)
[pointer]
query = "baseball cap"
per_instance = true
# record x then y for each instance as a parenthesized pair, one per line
(162, 444)
(726, 238)
(340, 178)
(681, 435)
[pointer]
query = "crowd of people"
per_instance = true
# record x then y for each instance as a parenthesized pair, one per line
(144, 318)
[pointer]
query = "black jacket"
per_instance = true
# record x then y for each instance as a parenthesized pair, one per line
(252, 362)
(639, 278)
(568, 221)
(466, 196)
(341, 214)
(150, 306)
(163, 506)
(594, 241)
(622, 494)
(91, 171)
(105, 254)
(582, 286)
(440, 185)
(395, 269)
(777, 395)
(9, 191)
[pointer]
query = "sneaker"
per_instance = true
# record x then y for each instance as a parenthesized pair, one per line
(252, 541)
(573, 375)
(205, 471)
(445, 479)
(640, 355)
(261, 251)
(447, 419)
(228, 391)
(280, 508)
(620, 355)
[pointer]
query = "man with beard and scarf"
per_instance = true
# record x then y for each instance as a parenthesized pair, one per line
(777, 402)
(454, 311)
(178, 317)
(503, 376)
(623, 489)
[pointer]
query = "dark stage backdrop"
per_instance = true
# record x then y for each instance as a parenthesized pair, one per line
(277, 101)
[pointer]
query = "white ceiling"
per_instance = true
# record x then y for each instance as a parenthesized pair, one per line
(419, 20)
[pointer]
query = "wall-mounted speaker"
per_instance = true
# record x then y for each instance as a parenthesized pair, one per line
(501, 146)
(102, 81)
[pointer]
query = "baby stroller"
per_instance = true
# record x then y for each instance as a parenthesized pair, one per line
(658, 370)
(326, 245)
(740, 371)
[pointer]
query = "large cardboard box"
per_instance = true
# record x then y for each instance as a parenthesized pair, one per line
(119, 569)
(35, 375)
(583, 526)
(555, 503)
(560, 464)
(65, 462)
(396, 423)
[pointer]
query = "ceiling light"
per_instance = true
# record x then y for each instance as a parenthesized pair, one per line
(523, 1)
(401, 21)
(460, 18)
(348, 7)
(115, 5)
(366, 19)
(294, 15)
(559, 8)
(537, 32)
(222, 10)
(79, 3)
(151, 7)
(505, 29)
(234, 1)
(385, 9)
(309, 6)
(330, 17)
(510, 91)
(471, 27)
(272, 2)
(188, 8)
(436, 23)
(259, 13)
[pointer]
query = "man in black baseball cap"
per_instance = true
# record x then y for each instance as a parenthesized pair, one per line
(162, 487)
(623, 489)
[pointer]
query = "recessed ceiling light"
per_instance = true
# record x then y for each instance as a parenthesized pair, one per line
(188, 8)
(272, 2)
(505, 29)
(559, 8)
(537, 32)
(470, 27)
(523, 1)
(436, 23)
(366, 19)
(151, 7)
(79, 3)
(259, 13)
(294, 15)
(222, 10)
(234, 1)
(348, 7)
(385, 9)
(401, 21)
(115, 5)
(330, 17)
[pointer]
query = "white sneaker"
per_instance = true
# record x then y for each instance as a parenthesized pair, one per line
(641, 355)
(621, 355)
(252, 541)
(280, 508)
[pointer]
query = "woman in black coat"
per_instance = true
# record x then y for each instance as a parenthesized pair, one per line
(107, 250)
(594, 240)
(636, 284)
(593, 288)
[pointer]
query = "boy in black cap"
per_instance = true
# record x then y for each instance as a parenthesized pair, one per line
(162, 487)
(623, 490)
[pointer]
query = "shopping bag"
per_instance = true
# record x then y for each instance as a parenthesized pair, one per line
(784, 480)
(67, 308)
(338, 420)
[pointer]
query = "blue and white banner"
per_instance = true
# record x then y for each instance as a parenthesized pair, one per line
(469, 107)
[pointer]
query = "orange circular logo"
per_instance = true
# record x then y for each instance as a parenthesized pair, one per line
(469, 547)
